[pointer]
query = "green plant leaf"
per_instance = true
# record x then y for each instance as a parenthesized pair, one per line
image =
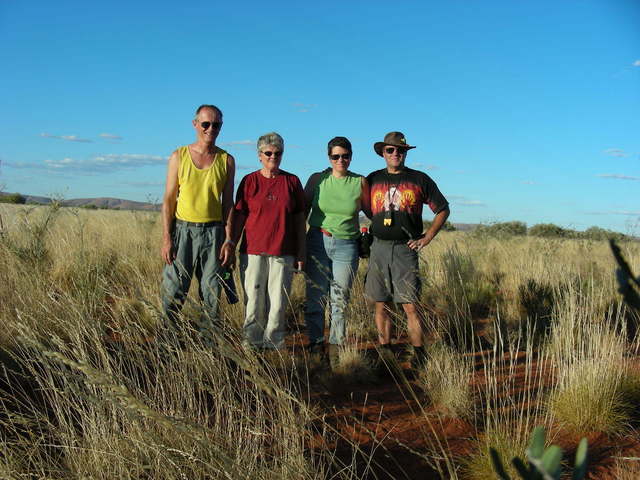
(551, 461)
(580, 469)
(536, 444)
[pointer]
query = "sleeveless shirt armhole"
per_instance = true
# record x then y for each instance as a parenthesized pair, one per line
(181, 155)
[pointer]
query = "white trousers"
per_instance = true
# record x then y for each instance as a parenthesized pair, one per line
(267, 282)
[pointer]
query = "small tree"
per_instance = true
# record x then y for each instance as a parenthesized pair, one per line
(503, 229)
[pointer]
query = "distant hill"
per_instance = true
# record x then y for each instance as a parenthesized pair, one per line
(101, 202)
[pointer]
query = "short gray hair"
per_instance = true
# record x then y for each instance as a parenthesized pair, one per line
(209, 107)
(271, 138)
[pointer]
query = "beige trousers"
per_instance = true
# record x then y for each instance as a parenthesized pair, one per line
(267, 282)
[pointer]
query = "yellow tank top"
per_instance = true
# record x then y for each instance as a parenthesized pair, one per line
(200, 190)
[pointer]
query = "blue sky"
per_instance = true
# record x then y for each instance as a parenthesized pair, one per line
(525, 110)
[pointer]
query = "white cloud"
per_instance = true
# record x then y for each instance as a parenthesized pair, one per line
(528, 182)
(618, 176)
(424, 167)
(239, 144)
(110, 136)
(144, 184)
(616, 152)
(98, 164)
(304, 107)
(465, 202)
(245, 167)
(636, 63)
(617, 212)
(68, 138)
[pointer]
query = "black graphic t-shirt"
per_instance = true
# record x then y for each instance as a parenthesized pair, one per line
(396, 203)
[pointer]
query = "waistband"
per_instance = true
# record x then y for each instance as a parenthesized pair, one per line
(198, 224)
(390, 242)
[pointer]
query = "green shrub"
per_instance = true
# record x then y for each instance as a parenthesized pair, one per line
(597, 233)
(15, 198)
(549, 230)
(502, 229)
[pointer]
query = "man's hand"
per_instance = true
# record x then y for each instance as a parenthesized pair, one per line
(419, 243)
(227, 254)
(167, 252)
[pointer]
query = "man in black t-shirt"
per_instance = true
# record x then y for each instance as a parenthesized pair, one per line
(397, 196)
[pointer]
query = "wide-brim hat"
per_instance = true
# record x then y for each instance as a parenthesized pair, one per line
(395, 139)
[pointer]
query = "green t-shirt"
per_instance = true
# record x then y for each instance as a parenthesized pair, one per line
(336, 203)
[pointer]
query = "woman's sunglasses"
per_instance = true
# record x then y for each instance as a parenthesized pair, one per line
(268, 153)
(344, 156)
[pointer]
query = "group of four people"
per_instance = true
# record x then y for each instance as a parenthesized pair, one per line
(202, 226)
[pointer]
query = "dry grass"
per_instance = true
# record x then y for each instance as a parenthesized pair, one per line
(446, 379)
(81, 406)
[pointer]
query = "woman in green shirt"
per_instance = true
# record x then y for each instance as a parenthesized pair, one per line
(335, 197)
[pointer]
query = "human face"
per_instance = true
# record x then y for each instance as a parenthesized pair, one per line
(208, 125)
(395, 157)
(339, 158)
(270, 157)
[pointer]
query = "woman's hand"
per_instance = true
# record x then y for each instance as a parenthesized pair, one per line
(228, 254)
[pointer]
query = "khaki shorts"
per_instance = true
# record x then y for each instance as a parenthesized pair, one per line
(393, 273)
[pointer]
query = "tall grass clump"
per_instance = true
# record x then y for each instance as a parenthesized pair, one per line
(446, 380)
(594, 379)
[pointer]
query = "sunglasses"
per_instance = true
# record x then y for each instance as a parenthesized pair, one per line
(344, 156)
(214, 125)
(393, 150)
(268, 153)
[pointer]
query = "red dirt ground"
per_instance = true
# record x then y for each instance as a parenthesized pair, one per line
(394, 431)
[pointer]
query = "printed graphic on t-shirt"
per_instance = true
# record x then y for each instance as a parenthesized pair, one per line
(404, 197)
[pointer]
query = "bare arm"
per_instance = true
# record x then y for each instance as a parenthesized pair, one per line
(365, 198)
(169, 202)
(227, 252)
(436, 225)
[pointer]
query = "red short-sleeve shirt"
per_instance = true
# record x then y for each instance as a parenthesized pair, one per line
(270, 205)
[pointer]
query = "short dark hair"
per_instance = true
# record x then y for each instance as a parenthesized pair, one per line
(339, 142)
(212, 107)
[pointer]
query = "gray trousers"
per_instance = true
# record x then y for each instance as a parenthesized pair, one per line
(197, 247)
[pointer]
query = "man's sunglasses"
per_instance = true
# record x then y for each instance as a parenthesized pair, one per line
(393, 149)
(214, 125)
(344, 156)
(268, 153)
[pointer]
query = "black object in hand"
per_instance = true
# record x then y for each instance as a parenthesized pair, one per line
(364, 243)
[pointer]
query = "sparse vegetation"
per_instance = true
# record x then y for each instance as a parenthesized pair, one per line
(522, 331)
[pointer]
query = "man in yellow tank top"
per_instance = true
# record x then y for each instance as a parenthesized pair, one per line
(197, 200)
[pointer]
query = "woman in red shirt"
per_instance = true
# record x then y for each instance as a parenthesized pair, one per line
(270, 209)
